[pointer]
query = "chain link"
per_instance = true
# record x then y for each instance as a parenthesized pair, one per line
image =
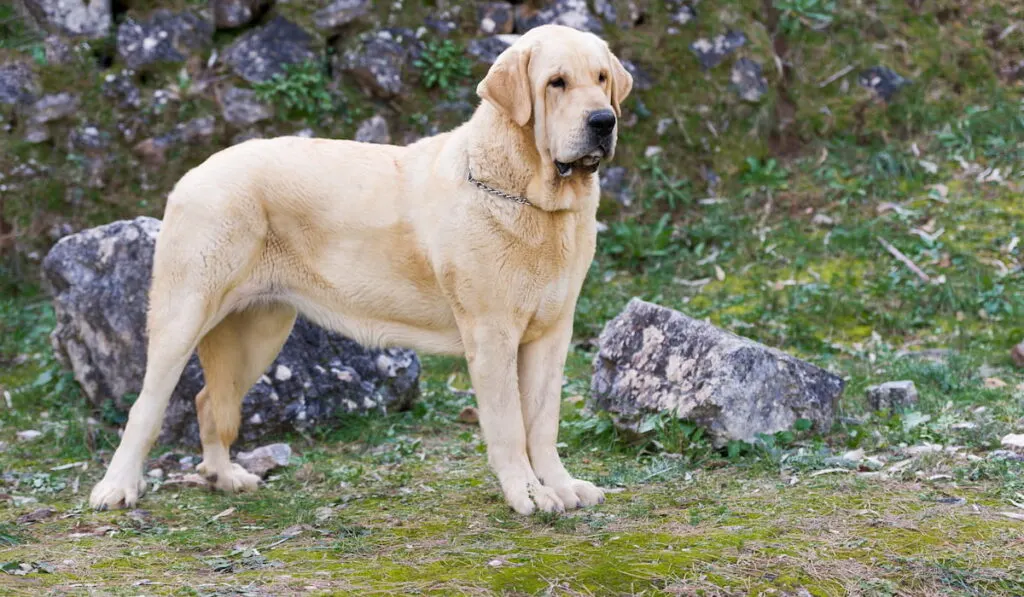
(515, 198)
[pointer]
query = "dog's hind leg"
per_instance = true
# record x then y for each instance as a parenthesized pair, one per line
(234, 354)
(172, 339)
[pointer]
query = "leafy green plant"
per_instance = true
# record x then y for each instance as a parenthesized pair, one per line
(634, 243)
(795, 15)
(300, 91)
(763, 177)
(443, 63)
(664, 188)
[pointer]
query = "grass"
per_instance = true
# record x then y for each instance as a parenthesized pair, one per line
(785, 250)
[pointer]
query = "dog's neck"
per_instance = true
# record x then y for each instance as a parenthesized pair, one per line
(505, 156)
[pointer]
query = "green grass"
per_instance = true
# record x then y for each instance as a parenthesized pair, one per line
(785, 250)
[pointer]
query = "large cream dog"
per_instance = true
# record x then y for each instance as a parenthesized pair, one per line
(473, 242)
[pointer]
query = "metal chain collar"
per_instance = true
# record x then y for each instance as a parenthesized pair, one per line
(498, 193)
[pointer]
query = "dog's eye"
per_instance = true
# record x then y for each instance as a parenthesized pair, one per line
(602, 78)
(557, 83)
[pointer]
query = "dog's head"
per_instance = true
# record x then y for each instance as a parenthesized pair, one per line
(569, 86)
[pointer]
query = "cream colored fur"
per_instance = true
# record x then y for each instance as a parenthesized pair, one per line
(391, 246)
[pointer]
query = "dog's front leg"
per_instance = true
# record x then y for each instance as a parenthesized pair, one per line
(541, 366)
(491, 354)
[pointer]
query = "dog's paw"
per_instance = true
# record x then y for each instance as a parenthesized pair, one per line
(534, 497)
(234, 480)
(579, 494)
(117, 491)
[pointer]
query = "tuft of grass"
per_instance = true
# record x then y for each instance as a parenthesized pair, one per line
(299, 92)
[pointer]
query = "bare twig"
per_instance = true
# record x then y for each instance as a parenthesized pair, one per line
(904, 259)
(842, 73)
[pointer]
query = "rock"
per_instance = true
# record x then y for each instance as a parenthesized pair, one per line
(680, 14)
(231, 14)
(571, 13)
(54, 107)
(1013, 441)
(615, 184)
(88, 138)
(264, 459)
(374, 130)
(84, 18)
(1017, 355)
(894, 396)
(200, 130)
(623, 13)
(36, 133)
(99, 280)
(262, 53)
(339, 13)
(37, 515)
(18, 84)
(711, 52)
(469, 416)
(378, 60)
(57, 50)
(121, 88)
(487, 49)
(240, 107)
(164, 37)
(495, 17)
(641, 80)
(28, 435)
(748, 80)
(654, 360)
(882, 81)
(440, 23)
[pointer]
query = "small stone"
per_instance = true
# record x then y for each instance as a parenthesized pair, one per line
(711, 52)
(18, 84)
(36, 133)
(1013, 441)
(282, 373)
(260, 54)
(37, 515)
(1017, 355)
(241, 107)
(663, 125)
(230, 14)
(892, 396)
(882, 81)
(80, 18)
(469, 416)
(156, 473)
(374, 130)
(28, 435)
(626, 15)
(54, 107)
(487, 49)
(163, 37)
(339, 13)
(748, 80)
(264, 459)
(495, 18)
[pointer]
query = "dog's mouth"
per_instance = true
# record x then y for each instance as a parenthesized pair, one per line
(587, 163)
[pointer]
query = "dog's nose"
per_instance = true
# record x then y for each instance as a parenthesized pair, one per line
(601, 121)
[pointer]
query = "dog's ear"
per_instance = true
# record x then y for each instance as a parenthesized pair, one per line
(622, 84)
(507, 85)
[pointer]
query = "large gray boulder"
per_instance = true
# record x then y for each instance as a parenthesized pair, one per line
(85, 18)
(378, 60)
(99, 281)
(19, 86)
(654, 360)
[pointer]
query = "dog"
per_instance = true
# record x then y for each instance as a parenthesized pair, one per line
(472, 242)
